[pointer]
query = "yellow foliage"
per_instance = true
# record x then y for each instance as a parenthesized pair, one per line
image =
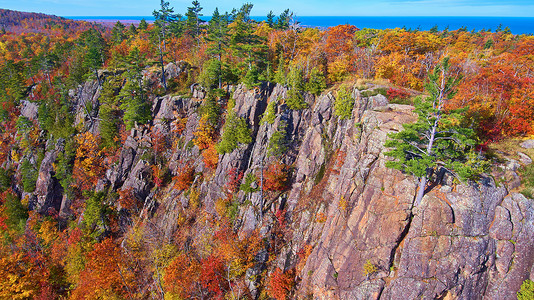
(369, 268)
(204, 134)
(18, 280)
(338, 69)
(48, 231)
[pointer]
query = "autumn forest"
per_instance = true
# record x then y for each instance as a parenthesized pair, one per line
(128, 165)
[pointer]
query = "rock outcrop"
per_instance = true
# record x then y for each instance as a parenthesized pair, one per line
(365, 239)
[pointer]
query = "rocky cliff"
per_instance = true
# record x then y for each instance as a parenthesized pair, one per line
(350, 229)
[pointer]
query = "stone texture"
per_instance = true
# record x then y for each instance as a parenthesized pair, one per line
(528, 144)
(465, 241)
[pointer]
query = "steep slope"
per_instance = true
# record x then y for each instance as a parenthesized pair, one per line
(345, 225)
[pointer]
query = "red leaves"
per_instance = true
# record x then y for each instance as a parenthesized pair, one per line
(104, 273)
(184, 178)
(394, 93)
(212, 276)
(500, 100)
(234, 179)
(339, 40)
(276, 177)
(280, 284)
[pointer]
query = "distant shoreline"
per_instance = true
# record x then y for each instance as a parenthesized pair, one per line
(518, 25)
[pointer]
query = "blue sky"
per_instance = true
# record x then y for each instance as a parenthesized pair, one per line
(509, 8)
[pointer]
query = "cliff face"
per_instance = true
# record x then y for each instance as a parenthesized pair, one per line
(350, 229)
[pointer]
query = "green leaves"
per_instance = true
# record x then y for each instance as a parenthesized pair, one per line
(235, 131)
(438, 139)
(344, 103)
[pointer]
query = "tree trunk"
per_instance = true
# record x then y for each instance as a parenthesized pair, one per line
(162, 70)
(421, 191)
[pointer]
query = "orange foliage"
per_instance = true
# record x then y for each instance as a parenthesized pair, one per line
(204, 136)
(499, 99)
(276, 177)
(280, 284)
(210, 157)
(127, 199)
(339, 40)
(181, 276)
(88, 164)
(184, 178)
(105, 273)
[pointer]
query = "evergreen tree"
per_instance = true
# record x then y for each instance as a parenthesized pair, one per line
(117, 33)
(344, 103)
(163, 17)
(192, 25)
(94, 48)
(132, 31)
(143, 25)
(133, 96)
(317, 82)
(110, 114)
(245, 43)
(280, 75)
(270, 19)
(235, 132)
(218, 36)
(436, 140)
(284, 19)
(211, 74)
(295, 80)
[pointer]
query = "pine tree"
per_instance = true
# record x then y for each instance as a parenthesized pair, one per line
(94, 47)
(280, 74)
(436, 140)
(143, 25)
(192, 25)
(316, 83)
(117, 33)
(270, 19)
(163, 18)
(218, 36)
(134, 101)
(295, 80)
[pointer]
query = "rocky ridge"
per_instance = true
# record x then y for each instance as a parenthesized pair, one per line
(352, 216)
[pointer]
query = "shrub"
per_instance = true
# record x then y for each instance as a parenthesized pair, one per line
(270, 113)
(234, 177)
(29, 176)
(527, 290)
(184, 178)
(399, 96)
(277, 143)
(527, 179)
(343, 104)
(369, 268)
(235, 131)
(250, 179)
(280, 284)
(276, 177)
(210, 157)
(204, 135)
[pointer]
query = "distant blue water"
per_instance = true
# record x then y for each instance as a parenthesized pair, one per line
(519, 25)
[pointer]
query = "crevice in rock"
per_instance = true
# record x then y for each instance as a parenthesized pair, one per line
(399, 241)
